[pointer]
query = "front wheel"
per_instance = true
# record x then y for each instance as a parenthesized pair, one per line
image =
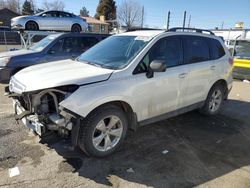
(103, 131)
(214, 101)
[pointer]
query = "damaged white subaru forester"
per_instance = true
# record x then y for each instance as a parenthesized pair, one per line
(125, 81)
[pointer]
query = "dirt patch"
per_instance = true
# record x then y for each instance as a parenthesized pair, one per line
(5, 132)
(33, 152)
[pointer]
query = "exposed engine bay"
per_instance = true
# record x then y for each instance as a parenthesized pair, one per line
(41, 108)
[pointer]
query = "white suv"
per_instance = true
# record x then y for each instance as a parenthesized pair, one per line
(125, 81)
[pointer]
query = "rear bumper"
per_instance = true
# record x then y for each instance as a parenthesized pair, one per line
(241, 73)
(30, 121)
(5, 74)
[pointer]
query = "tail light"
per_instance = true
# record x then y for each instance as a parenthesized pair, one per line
(231, 61)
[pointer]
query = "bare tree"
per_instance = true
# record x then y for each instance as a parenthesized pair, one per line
(55, 5)
(130, 14)
(13, 5)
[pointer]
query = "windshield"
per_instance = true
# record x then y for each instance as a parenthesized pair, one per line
(115, 52)
(39, 46)
(242, 50)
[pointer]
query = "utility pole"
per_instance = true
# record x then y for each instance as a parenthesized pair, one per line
(142, 20)
(168, 20)
(189, 21)
(184, 19)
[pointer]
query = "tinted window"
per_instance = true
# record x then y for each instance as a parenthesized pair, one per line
(195, 49)
(217, 50)
(168, 50)
(71, 44)
(57, 47)
(87, 42)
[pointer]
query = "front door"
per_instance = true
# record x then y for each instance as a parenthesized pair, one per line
(159, 95)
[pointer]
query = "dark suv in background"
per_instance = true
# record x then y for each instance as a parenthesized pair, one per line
(51, 48)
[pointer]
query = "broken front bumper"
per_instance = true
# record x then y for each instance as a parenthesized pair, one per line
(29, 120)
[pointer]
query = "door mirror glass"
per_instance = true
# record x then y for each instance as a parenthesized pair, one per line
(158, 66)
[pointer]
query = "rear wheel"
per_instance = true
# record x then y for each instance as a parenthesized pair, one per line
(76, 28)
(214, 101)
(103, 131)
(31, 26)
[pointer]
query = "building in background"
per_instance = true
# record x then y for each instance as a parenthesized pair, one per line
(97, 26)
(6, 15)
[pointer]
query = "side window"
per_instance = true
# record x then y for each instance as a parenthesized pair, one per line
(87, 42)
(57, 47)
(64, 15)
(195, 49)
(217, 50)
(168, 49)
(70, 45)
(50, 14)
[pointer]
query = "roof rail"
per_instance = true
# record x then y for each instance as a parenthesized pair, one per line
(141, 29)
(175, 29)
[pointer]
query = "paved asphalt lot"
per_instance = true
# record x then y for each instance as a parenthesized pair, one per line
(202, 151)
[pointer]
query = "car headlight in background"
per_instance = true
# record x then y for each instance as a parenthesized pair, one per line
(4, 61)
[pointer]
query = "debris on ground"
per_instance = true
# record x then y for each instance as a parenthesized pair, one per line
(14, 172)
(130, 170)
(164, 152)
(246, 81)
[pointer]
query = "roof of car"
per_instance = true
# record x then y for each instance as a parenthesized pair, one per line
(144, 33)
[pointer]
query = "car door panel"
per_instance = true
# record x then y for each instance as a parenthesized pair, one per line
(160, 94)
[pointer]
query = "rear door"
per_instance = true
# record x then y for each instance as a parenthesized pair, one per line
(65, 20)
(197, 60)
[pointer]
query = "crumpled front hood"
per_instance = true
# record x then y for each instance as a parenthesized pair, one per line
(59, 73)
(15, 53)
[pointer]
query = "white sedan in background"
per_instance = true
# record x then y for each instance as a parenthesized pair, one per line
(50, 20)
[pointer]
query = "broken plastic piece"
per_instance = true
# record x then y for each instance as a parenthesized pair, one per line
(164, 152)
(130, 170)
(14, 172)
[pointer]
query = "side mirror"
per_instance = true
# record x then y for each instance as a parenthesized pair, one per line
(156, 66)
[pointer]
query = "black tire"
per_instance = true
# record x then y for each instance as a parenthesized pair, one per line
(31, 26)
(206, 109)
(76, 28)
(87, 129)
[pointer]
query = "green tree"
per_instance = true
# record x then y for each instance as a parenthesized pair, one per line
(106, 8)
(27, 8)
(84, 12)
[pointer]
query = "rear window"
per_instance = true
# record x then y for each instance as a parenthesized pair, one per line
(217, 50)
(196, 49)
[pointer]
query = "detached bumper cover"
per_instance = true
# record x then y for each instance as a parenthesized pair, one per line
(30, 121)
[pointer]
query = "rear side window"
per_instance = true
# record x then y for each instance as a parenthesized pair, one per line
(217, 50)
(196, 49)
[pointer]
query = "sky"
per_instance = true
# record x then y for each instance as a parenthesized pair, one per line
(204, 14)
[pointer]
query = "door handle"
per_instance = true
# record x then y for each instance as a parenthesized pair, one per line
(182, 75)
(213, 67)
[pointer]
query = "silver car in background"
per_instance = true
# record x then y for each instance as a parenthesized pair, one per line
(50, 20)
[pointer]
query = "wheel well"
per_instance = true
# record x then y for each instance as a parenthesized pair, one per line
(76, 24)
(131, 115)
(30, 22)
(222, 83)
